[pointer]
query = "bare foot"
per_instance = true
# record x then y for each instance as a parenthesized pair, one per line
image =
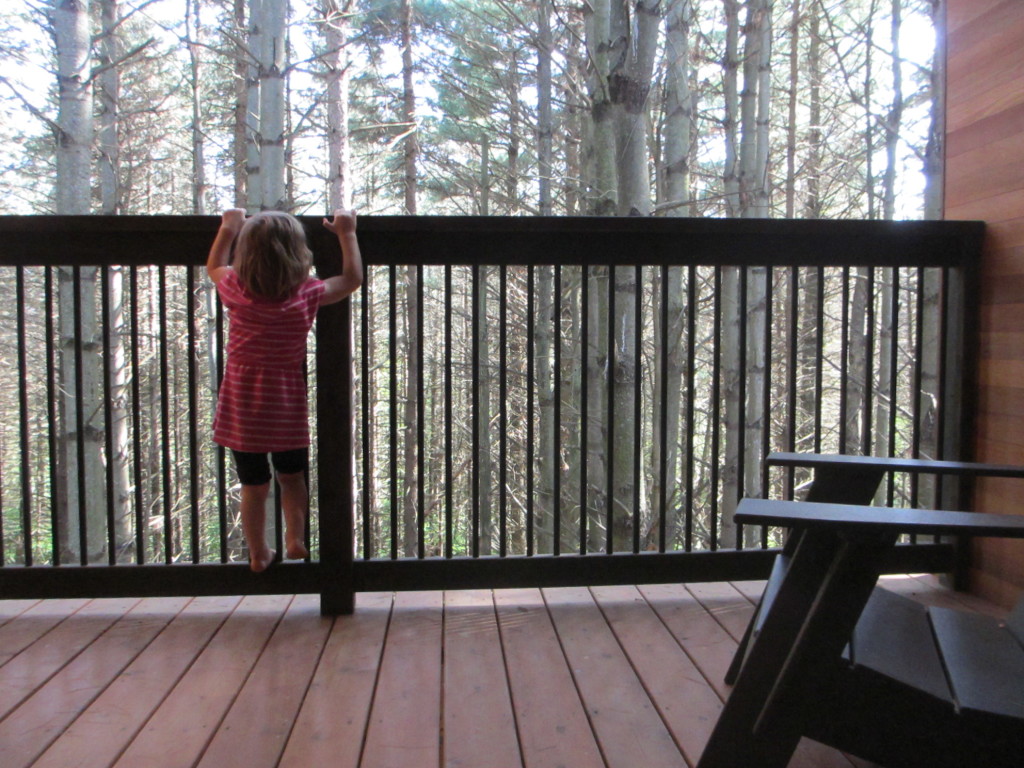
(258, 564)
(296, 550)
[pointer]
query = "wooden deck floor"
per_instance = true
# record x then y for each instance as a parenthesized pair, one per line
(610, 676)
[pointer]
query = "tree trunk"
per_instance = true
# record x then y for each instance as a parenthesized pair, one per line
(545, 126)
(792, 102)
(601, 175)
(678, 129)
(81, 377)
(935, 149)
(730, 121)
(252, 110)
(411, 280)
(272, 74)
(546, 326)
(482, 409)
(409, 109)
(595, 365)
(894, 122)
(336, 24)
(194, 34)
(634, 43)
(883, 396)
(110, 197)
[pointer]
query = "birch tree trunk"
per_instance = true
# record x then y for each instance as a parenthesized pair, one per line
(634, 40)
(792, 102)
(411, 480)
(730, 120)
(110, 203)
(272, 73)
(677, 139)
(678, 130)
(730, 351)
(195, 49)
(931, 282)
(603, 185)
(747, 197)
(336, 31)
(595, 366)
(84, 514)
(545, 127)
(544, 328)
(883, 397)
(253, 58)
(809, 371)
(935, 148)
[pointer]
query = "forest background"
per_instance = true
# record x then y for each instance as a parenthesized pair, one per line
(701, 108)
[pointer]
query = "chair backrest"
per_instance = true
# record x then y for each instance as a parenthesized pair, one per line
(1015, 621)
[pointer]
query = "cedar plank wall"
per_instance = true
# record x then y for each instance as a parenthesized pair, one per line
(985, 180)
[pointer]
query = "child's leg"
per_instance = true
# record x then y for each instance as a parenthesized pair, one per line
(293, 504)
(254, 520)
(291, 475)
(254, 475)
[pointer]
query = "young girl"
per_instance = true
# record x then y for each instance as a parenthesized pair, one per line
(271, 301)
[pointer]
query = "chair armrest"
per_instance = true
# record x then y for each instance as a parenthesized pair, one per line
(890, 464)
(804, 514)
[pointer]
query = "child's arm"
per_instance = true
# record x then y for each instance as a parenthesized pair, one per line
(220, 252)
(351, 277)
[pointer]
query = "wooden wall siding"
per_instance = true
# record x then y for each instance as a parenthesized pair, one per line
(985, 180)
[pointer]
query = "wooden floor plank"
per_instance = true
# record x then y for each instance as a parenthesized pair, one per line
(12, 609)
(178, 732)
(32, 624)
(105, 729)
(686, 701)
(752, 590)
(25, 673)
(405, 722)
(479, 726)
(705, 641)
(633, 671)
(729, 607)
(41, 718)
(711, 647)
(553, 727)
(255, 730)
(629, 730)
(331, 725)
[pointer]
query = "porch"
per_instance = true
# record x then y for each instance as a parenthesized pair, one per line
(508, 432)
(600, 676)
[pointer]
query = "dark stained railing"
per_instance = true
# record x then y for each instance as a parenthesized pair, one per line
(513, 423)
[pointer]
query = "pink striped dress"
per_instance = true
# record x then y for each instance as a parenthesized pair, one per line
(261, 406)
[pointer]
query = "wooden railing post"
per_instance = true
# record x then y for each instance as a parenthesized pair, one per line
(335, 465)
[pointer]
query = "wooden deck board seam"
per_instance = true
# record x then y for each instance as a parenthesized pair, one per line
(214, 730)
(636, 672)
(575, 681)
(376, 681)
(508, 680)
(306, 687)
(693, 660)
(186, 669)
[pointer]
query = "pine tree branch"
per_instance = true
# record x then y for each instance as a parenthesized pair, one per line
(36, 112)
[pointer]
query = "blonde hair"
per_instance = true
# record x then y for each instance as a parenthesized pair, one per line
(271, 255)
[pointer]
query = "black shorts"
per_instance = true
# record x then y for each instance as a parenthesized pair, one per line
(254, 469)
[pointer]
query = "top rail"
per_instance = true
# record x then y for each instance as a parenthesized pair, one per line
(438, 240)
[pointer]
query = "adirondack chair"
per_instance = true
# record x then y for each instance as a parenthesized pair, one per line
(877, 675)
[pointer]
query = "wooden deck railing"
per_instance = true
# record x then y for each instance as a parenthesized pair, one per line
(483, 447)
